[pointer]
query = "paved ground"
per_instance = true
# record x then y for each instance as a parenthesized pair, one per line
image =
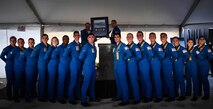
(106, 103)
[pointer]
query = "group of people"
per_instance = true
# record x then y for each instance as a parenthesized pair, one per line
(58, 69)
(161, 69)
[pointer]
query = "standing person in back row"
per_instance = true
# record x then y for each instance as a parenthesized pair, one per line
(9, 65)
(84, 33)
(144, 72)
(38, 53)
(170, 56)
(203, 67)
(115, 30)
(156, 66)
(178, 69)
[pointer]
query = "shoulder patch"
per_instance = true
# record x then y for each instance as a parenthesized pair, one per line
(173, 49)
(126, 48)
(137, 49)
(160, 49)
(149, 48)
(11, 52)
(209, 50)
(197, 52)
(184, 51)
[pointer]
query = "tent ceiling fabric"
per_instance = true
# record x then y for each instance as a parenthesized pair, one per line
(203, 13)
(16, 11)
(133, 12)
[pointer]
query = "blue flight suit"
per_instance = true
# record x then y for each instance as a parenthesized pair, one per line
(63, 71)
(88, 56)
(132, 70)
(84, 34)
(192, 71)
(19, 71)
(155, 64)
(52, 69)
(115, 30)
(121, 53)
(178, 70)
(39, 53)
(30, 73)
(203, 69)
(144, 69)
(72, 51)
(8, 69)
(168, 82)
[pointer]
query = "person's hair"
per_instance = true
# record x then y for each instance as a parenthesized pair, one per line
(130, 34)
(75, 32)
(140, 32)
(65, 36)
(54, 38)
(12, 37)
(87, 23)
(114, 21)
(163, 34)
(45, 35)
(152, 33)
(190, 40)
(201, 37)
(176, 38)
(21, 39)
(117, 34)
(90, 34)
(31, 39)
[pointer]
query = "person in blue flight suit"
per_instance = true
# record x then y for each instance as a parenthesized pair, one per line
(132, 69)
(84, 33)
(63, 69)
(72, 51)
(19, 69)
(52, 69)
(8, 67)
(203, 67)
(30, 71)
(155, 65)
(178, 69)
(170, 55)
(121, 54)
(115, 30)
(192, 70)
(144, 72)
(38, 53)
(88, 56)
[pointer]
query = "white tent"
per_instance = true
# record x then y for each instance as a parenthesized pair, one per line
(59, 17)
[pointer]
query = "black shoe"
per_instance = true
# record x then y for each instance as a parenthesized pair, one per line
(194, 98)
(9, 98)
(116, 99)
(96, 100)
(170, 99)
(188, 95)
(62, 101)
(136, 102)
(42, 100)
(157, 100)
(17, 100)
(73, 102)
(147, 100)
(205, 98)
(52, 100)
(123, 103)
(85, 104)
(181, 98)
(28, 100)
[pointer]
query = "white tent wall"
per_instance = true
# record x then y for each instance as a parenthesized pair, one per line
(31, 31)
